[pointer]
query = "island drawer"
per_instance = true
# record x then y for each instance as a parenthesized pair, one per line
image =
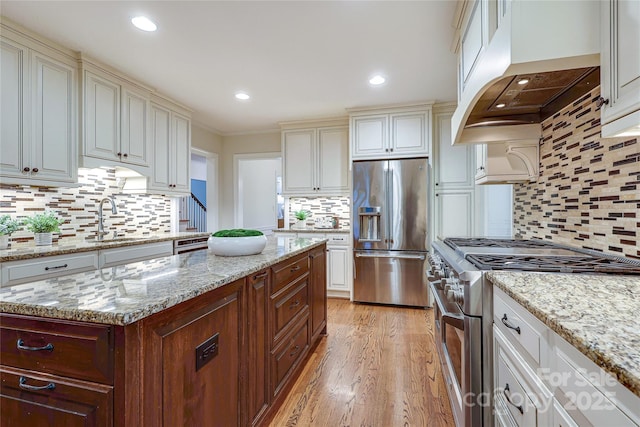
(59, 347)
(286, 356)
(288, 271)
(289, 304)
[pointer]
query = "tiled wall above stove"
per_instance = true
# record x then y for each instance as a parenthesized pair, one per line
(79, 206)
(588, 193)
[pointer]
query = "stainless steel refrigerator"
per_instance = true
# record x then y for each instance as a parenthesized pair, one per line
(389, 225)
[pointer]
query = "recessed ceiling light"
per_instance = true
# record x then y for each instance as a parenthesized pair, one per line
(523, 81)
(144, 23)
(501, 105)
(243, 96)
(377, 80)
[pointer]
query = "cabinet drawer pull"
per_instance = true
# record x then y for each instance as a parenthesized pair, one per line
(57, 267)
(260, 276)
(296, 268)
(294, 304)
(506, 323)
(518, 407)
(21, 346)
(25, 386)
(294, 351)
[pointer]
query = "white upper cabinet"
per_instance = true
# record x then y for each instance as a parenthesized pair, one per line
(453, 165)
(394, 133)
(171, 135)
(38, 101)
(620, 68)
(316, 160)
(116, 122)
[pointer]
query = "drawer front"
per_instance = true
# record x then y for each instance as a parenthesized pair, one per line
(129, 254)
(516, 328)
(513, 395)
(338, 239)
(66, 348)
(287, 356)
(581, 399)
(17, 272)
(33, 399)
(286, 272)
(290, 304)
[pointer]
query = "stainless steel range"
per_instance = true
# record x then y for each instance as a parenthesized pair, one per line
(463, 307)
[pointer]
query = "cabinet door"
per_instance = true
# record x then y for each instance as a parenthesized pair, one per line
(620, 59)
(101, 117)
(299, 161)
(454, 213)
(454, 164)
(409, 134)
(258, 344)
(370, 136)
(191, 361)
(333, 160)
(60, 401)
(318, 299)
(337, 266)
(14, 75)
(53, 117)
(181, 153)
(481, 161)
(161, 137)
(134, 143)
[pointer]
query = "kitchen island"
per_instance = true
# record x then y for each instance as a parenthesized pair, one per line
(589, 324)
(190, 339)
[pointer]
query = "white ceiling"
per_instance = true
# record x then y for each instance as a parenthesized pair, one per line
(297, 59)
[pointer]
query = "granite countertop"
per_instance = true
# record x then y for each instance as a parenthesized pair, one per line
(312, 230)
(21, 251)
(597, 314)
(125, 294)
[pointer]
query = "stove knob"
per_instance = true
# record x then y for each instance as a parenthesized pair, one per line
(450, 295)
(458, 296)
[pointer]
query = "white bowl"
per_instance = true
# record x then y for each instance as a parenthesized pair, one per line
(237, 246)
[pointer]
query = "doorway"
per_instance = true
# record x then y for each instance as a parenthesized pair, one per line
(256, 191)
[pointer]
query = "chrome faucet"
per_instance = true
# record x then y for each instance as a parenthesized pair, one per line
(101, 232)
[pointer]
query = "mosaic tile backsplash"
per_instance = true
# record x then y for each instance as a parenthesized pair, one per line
(588, 192)
(78, 206)
(322, 207)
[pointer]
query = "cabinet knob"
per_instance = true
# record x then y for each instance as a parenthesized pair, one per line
(437, 184)
(125, 155)
(35, 170)
(119, 154)
(391, 149)
(481, 168)
(26, 169)
(601, 101)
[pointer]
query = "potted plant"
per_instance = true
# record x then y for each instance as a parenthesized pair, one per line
(43, 225)
(7, 226)
(237, 242)
(301, 218)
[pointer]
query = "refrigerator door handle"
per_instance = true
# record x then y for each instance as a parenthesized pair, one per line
(400, 256)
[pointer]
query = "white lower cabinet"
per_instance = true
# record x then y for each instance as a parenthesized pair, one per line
(542, 380)
(23, 271)
(129, 254)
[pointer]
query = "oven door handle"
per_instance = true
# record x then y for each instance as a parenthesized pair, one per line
(451, 313)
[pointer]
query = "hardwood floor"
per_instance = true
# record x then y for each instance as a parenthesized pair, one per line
(378, 366)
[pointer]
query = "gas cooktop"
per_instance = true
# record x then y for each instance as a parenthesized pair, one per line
(481, 242)
(561, 264)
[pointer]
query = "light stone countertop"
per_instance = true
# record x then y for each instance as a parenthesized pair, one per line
(20, 251)
(597, 314)
(125, 294)
(312, 230)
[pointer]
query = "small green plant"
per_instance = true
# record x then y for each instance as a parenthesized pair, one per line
(8, 225)
(46, 222)
(237, 232)
(302, 215)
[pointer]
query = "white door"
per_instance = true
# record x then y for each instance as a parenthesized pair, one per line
(409, 134)
(333, 159)
(454, 166)
(370, 136)
(101, 117)
(338, 260)
(134, 143)
(181, 144)
(53, 142)
(454, 213)
(256, 193)
(299, 161)
(13, 73)
(160, 137)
